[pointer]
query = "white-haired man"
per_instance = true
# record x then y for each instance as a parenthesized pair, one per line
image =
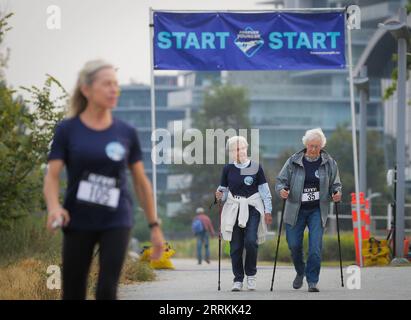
(309, 181)
(247, 210)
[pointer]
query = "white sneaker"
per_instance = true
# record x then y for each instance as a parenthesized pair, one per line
(237, 286)
(252, 282)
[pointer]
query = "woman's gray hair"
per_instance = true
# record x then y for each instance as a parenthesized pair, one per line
(236, 140)
(312, 134)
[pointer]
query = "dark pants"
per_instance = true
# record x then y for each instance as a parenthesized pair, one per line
(78, 247)
(295, 237)
(245, 238)
(202, 238)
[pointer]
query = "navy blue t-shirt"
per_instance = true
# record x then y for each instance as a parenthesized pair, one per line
(241, 185)
(96, 161)
(311, 191)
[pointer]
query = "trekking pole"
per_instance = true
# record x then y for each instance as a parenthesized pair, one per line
(339, 243)
(219, 246)
(278, 241)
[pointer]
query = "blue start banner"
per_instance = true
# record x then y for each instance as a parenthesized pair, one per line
(249, 41)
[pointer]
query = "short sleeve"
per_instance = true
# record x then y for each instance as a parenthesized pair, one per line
(135, 153)
(59, 145)
(261, 176)
(224, 180)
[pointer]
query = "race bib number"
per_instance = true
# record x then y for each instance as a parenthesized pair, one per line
(310, 194)
(100, 190)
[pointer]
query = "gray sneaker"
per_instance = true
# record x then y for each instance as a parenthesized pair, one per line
(298, 281)
(312, 287)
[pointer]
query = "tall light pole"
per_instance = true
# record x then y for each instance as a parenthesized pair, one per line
(362, 84)
(399, 29)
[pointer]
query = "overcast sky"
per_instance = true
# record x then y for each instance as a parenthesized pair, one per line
(116, 30)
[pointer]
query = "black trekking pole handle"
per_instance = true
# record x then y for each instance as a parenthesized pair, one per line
(214, 203)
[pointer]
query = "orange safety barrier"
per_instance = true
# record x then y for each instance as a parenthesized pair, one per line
(364, 222)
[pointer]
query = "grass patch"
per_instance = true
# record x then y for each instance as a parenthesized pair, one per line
(137, 271)
(133, 271)
(28, 238)
(26, 280)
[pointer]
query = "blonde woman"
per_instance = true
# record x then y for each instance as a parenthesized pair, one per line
(96, 150)
(247, 210)
(309, 181)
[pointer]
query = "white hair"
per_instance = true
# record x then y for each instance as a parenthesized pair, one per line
(312, 134)
(199, 210)
(236, 140)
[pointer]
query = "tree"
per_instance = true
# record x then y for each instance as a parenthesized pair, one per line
(25, 133)
(339, 145)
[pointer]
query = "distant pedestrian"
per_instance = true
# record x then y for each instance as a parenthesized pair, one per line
(203, 228)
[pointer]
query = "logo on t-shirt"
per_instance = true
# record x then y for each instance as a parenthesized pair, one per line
(317, 175)
(115, 151)
(248, 180)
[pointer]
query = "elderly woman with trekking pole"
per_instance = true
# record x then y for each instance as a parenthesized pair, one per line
(247, 210)
(308, 182)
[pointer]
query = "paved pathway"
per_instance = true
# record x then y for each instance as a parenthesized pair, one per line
(190, 281)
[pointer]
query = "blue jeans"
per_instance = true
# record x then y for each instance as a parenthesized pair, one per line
(245, 238)
(202, 237)
(295, 237)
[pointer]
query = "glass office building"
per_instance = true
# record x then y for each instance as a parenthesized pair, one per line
(134, 107)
